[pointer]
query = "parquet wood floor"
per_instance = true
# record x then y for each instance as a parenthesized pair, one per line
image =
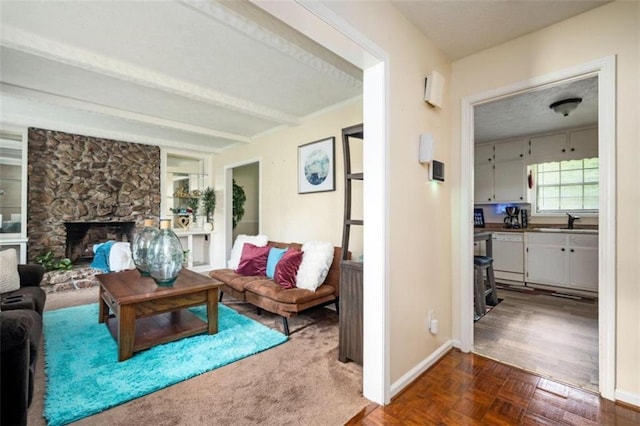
(467, 389)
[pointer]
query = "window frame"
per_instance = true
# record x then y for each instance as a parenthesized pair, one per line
(532, 197)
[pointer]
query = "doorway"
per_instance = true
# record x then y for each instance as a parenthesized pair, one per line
(246, 181)
(604, 69)
(540, 309)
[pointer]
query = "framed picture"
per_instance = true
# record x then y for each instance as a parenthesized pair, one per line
(316, 166)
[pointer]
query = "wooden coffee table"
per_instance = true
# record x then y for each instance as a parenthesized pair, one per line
(141, 314)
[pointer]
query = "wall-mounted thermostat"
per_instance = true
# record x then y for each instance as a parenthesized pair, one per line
(436, 171)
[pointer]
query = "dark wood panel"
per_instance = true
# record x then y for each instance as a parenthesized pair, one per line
(351, 315)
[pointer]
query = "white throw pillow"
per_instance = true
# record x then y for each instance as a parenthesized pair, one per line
(120, 257)
(316, 260)
(236, 251)
(9, 277)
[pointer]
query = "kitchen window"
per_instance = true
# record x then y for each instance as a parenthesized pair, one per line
(566, 186)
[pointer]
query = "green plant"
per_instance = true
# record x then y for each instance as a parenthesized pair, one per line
(239, 198)
(193, 204)
(50, 263)
(209, 203)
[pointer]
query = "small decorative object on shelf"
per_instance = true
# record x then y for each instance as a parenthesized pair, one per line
(141, 243)
(165, 256)
(183, 222)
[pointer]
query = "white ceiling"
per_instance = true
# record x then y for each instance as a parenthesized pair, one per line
(203, 74)
(200, 74)
(529, 113)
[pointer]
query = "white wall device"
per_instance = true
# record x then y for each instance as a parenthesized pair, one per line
(425, 149)
(434, 89)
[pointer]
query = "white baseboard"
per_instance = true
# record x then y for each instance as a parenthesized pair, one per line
(413, 374)
(628, 398)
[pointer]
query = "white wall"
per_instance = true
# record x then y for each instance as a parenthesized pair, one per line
(612, 29)
(286, 215)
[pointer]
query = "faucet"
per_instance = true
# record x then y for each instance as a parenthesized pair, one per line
(571, 220)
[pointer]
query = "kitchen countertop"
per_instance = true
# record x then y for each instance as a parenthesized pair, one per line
(497, 227)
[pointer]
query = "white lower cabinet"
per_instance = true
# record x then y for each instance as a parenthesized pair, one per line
(562, 260)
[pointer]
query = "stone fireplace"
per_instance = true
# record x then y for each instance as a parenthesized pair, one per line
(102, 188)
(82, 236)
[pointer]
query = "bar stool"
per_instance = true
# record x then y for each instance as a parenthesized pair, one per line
(482, 290)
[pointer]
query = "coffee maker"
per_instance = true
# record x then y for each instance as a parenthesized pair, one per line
(512, 221)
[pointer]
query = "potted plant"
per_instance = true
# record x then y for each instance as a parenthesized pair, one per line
(239, 198)
(193, 204)
(209, 206)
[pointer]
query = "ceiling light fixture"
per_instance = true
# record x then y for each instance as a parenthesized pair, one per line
(565, 106)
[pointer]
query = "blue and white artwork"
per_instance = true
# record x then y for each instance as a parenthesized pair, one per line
(316, 166)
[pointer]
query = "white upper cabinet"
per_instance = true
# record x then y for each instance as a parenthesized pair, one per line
(573, 145)
(509, 181)
(508, 151)
(543, 149)
(484, 154)
(583, 144)
(500, 172)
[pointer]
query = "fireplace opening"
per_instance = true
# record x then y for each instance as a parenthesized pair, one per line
(82, 236)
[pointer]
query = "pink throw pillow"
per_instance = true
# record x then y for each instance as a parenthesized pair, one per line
(287, 268)
(253, 260)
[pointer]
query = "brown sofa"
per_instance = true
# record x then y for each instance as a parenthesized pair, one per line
(265, 293)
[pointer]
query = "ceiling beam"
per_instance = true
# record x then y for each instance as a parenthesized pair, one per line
(262, 27)
(23, 41)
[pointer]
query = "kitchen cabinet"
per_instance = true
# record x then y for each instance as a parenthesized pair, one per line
(500, 172)
(509, 181)
(572, 145)
(563, 260)
(483, 154)
(509, 151)
(483, 186)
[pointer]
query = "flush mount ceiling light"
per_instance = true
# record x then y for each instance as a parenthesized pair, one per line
(565, 106)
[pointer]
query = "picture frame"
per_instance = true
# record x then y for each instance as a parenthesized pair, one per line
(317, 166)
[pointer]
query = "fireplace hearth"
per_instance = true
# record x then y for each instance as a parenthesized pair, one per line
(81, 237)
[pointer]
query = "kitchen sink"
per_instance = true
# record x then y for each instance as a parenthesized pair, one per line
(572, 231)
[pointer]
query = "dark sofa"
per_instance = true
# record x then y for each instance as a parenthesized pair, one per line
(20, 333)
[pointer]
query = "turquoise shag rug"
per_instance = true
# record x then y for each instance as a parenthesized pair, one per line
(84, 377)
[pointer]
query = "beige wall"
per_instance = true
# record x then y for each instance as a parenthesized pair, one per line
(613, 29)
(286, 215)
(419, 215)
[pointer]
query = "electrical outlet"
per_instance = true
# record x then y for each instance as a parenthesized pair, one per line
(430, 319)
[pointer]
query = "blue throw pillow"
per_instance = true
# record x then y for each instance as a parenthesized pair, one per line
(275, 254)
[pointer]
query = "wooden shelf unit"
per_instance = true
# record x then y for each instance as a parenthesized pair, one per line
(351, 272)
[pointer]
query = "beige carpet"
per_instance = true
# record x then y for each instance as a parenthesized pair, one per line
(300, 382)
